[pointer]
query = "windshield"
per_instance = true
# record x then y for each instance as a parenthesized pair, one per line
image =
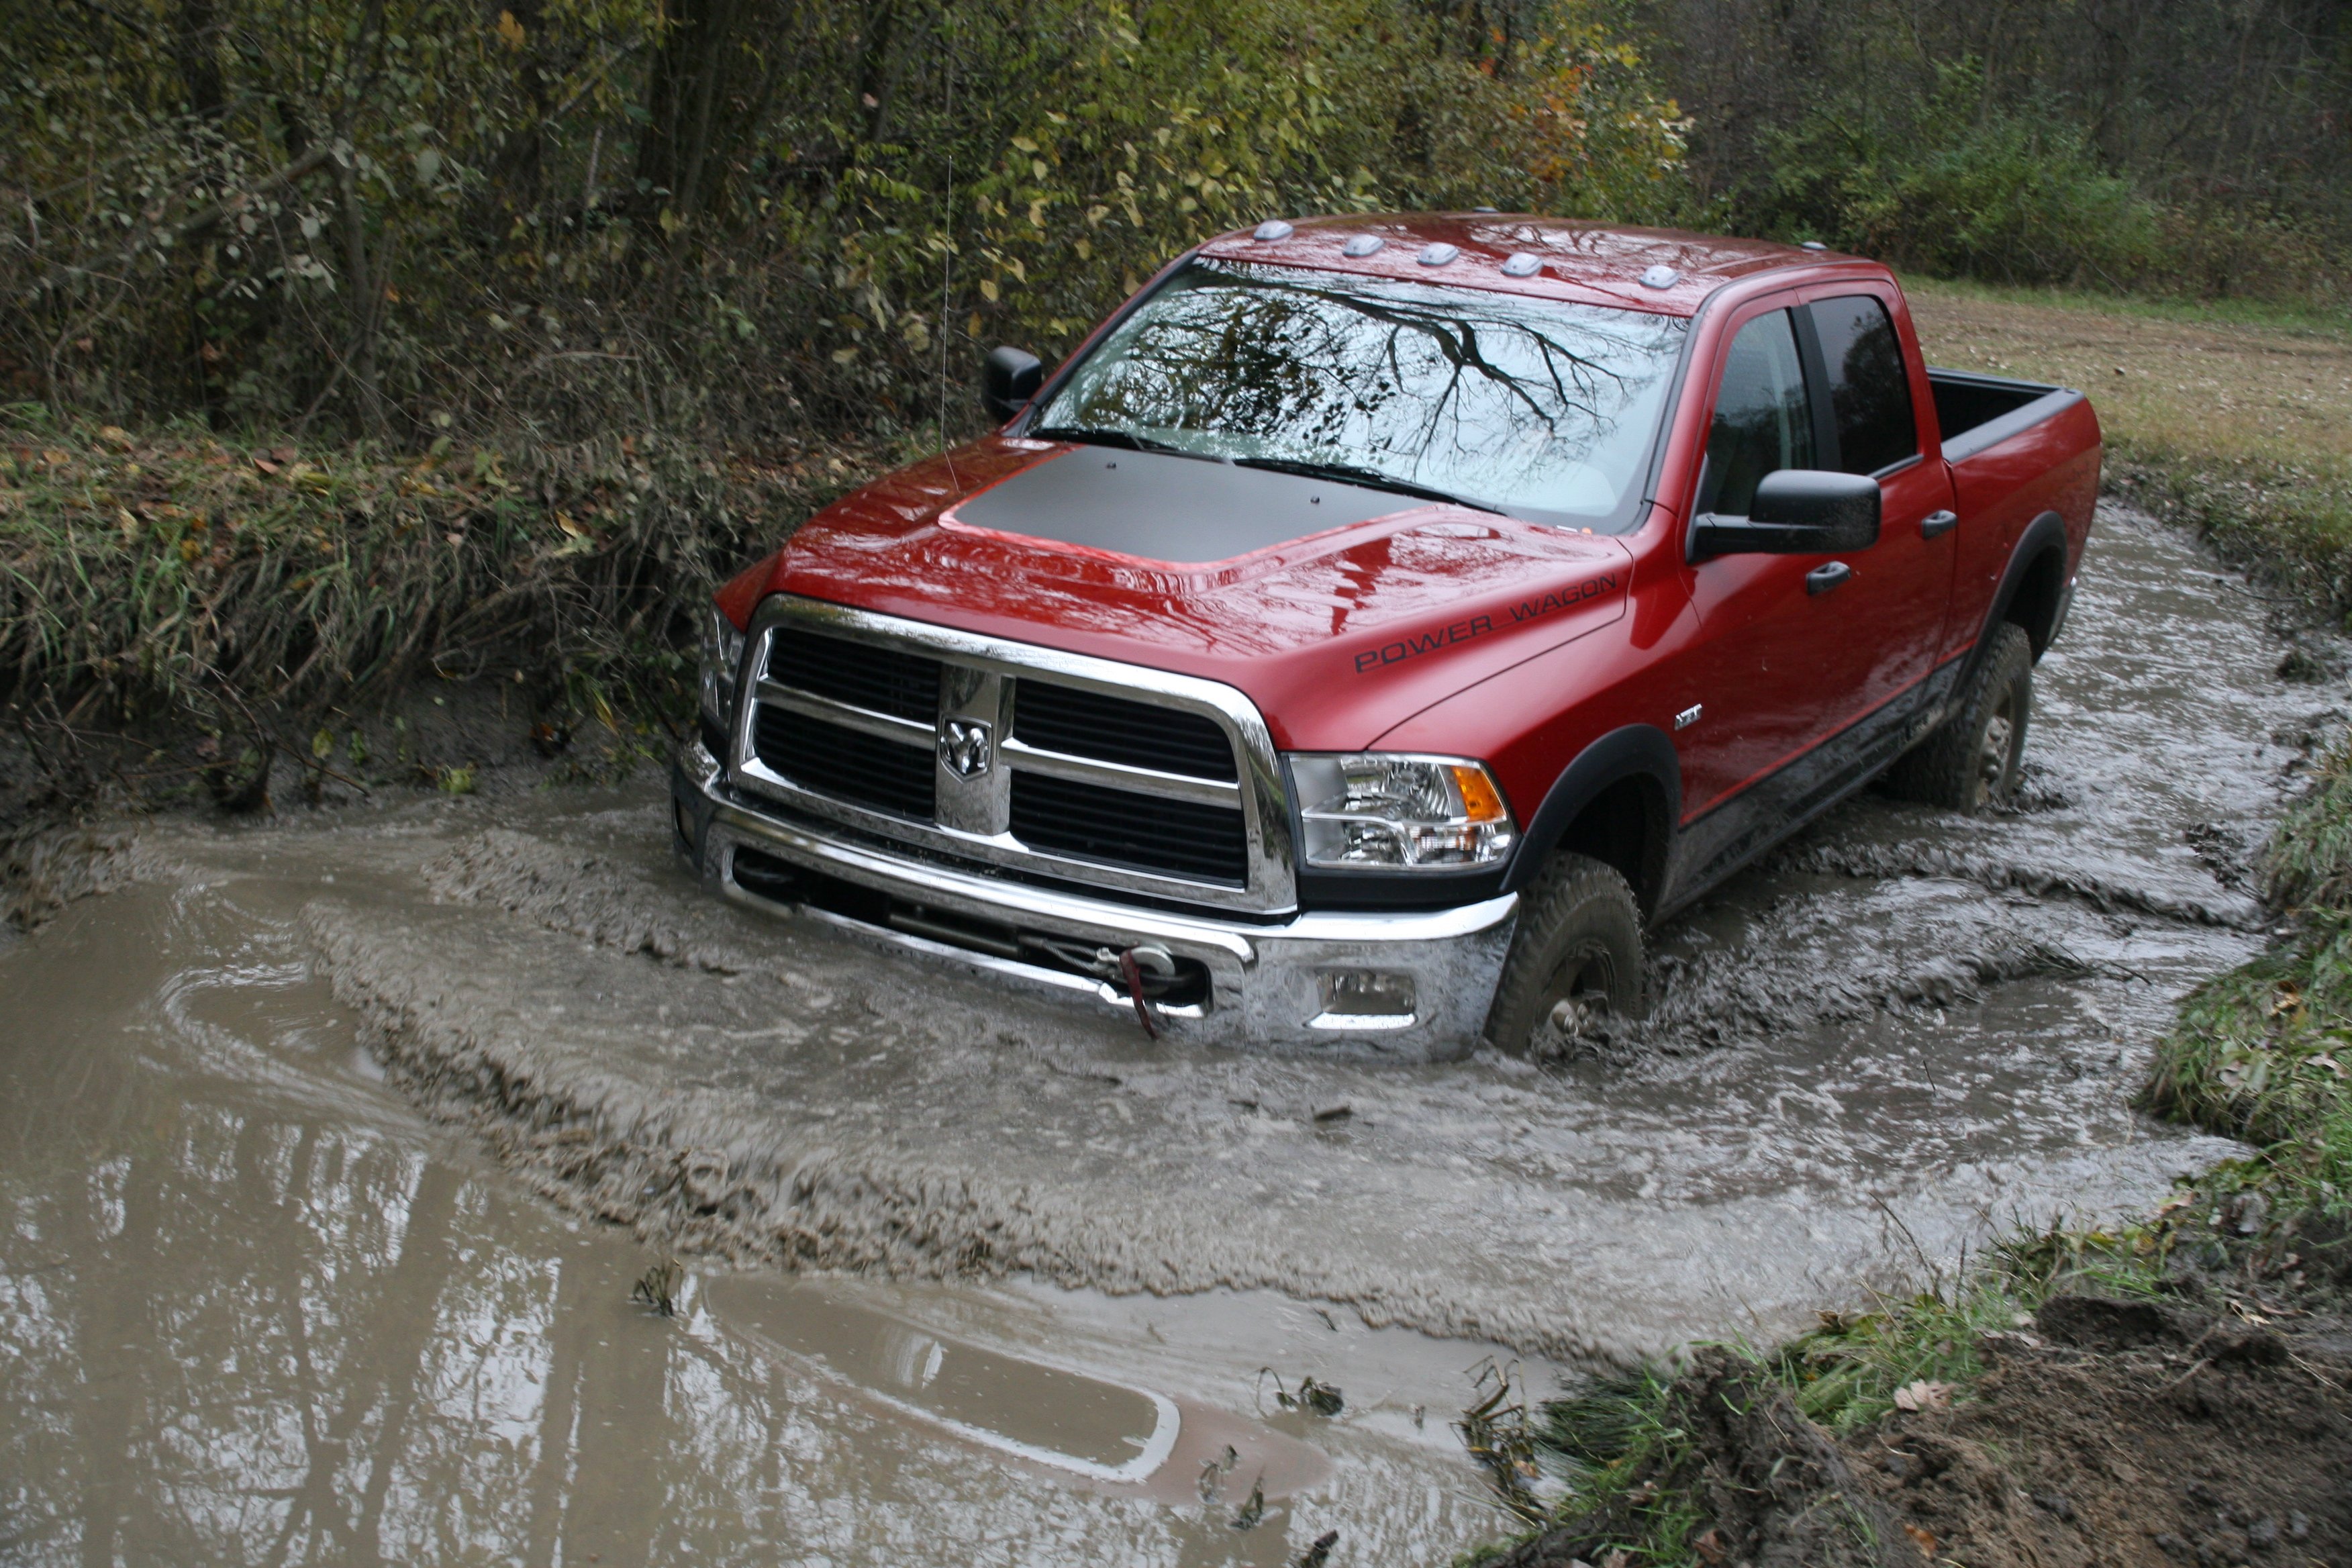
(1537, 408)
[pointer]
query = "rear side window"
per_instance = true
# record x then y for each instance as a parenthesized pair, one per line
(1762, 420)
(1869, 391)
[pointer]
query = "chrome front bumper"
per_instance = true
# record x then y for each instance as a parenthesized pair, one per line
(1268, 982)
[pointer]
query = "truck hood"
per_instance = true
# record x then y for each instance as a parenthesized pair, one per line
(1340, 611)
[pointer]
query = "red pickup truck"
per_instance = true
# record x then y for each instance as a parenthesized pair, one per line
(1379, 622)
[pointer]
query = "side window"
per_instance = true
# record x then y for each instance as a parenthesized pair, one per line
(1868, 389)
(1763, 421)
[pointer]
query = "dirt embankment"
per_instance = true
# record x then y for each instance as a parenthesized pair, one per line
(2104, 1432)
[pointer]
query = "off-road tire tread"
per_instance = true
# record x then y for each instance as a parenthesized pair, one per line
(1569, 887)
(1939, 769)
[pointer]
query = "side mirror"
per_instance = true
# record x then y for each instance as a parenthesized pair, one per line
(1797, 511)
(1009, 378)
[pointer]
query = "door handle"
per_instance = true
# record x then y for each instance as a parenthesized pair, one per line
(1936, 524)
(1822, 579)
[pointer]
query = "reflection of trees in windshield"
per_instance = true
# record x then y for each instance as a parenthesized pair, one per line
(1523, 403)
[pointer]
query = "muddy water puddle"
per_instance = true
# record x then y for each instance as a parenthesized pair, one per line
(331, 1150)
(254, 1309)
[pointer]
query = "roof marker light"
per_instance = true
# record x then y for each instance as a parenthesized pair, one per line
(1661, 277)
(1438, 255)
(1813, 244)
(1272, 229)
(1525, 264)
(1362, 245)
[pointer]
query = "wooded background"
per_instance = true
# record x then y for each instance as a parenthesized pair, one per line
(739, 219)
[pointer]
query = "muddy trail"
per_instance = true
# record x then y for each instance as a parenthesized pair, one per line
(968, 1272)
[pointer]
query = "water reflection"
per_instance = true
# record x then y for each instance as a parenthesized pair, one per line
(251, 1311)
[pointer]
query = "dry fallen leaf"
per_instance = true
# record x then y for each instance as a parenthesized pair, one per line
(1922, 1395)
(1925, 1540)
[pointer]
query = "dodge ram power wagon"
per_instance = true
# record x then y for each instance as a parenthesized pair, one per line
(1379, 622)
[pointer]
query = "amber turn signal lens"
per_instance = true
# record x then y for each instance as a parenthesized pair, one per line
(1481, 802)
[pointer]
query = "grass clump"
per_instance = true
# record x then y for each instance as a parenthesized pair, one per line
(1650, 1461)
(176, 581)
(2265, 1052)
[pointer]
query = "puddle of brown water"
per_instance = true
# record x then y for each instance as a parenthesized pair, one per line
(254, 1304)
(253, 1310)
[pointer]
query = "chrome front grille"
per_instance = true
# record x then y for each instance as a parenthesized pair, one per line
(1054, 764)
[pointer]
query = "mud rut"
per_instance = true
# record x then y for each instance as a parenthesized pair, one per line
(1903, 1017)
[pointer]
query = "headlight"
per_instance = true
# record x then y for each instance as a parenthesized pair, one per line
(1374, 809)
(722, 655)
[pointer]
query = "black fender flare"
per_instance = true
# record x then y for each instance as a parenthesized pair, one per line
(1629, 752)
(2043, 535)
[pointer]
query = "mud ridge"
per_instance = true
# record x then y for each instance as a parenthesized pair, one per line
(46, 865)
(1726, 999)
(604, 1148)
(1914, 860)
(566, 890)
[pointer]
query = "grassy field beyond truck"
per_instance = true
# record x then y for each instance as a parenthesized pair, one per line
(2236, 418)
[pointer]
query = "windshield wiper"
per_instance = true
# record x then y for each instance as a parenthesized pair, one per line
(1370, 479)
(1089, 436)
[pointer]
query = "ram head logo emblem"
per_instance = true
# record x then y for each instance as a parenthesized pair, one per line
(966, 747)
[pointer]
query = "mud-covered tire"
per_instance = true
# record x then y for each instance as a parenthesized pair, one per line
(1969, 763)
(1579, 940)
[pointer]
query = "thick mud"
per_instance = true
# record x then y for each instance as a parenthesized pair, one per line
(252, 1303)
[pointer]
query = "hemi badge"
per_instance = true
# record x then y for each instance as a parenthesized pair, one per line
(1688, 716)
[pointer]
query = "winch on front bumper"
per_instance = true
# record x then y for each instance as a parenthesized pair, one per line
(1414, 983)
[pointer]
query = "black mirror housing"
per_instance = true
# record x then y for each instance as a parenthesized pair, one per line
(1009, 378)
(1797, 511)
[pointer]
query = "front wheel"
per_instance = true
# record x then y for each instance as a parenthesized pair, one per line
(1969, 763)
(1575, 959)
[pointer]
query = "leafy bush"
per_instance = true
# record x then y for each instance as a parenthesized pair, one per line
(2171, 146)
(1954, 190)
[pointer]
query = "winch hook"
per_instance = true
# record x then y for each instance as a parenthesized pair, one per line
(1131, 962)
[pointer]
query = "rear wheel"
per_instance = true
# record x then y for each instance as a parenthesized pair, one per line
(1575, 959)
(1970, 763)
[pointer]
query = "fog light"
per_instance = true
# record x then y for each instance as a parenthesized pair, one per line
(1364, 999)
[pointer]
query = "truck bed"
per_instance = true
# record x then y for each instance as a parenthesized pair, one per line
(1976, 411)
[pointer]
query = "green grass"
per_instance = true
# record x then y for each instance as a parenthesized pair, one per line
(2264, 1053)
(2289, 524)
(2233, 417)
